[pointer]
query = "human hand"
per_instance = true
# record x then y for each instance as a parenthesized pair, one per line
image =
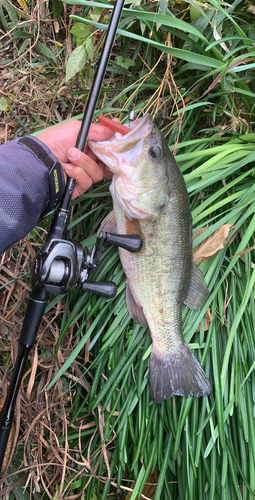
(85, 167)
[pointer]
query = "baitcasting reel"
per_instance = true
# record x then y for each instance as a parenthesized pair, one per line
(62, 264)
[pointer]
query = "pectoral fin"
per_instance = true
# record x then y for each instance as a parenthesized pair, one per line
(134, 309)
(109, 224)
(198, 292)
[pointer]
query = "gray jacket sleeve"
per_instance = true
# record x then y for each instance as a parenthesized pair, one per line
(31, 184)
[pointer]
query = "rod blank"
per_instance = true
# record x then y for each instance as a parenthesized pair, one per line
(94, 94)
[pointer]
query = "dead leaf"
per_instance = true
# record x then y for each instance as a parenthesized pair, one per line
(2, 133)
(149, 487)
(208, 319)
(9, 447)
(23, 5)
(248, 250)
(234, 65)
(33, 371)
(211, 244)
(56, 26)
(251, 8)
(101, 430)
(218, 37)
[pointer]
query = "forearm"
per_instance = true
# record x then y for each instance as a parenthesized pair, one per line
(31, 183)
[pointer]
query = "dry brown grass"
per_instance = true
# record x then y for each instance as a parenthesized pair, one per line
(34, 88)
(36, 97)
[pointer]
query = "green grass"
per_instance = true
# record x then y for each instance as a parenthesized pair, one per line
(205, 445)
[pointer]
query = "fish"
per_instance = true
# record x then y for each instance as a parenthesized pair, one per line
(150, 199)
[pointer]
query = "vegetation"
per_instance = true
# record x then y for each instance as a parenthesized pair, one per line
(94, 432)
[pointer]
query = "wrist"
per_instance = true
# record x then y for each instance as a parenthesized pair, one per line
(48, 143)
(55, 171)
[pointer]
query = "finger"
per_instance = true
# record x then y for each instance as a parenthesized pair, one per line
(106, 171)
(99, 132)
(83, 180)
(85, 163)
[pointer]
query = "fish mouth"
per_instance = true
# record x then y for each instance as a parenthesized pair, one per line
(135, 131)
(140, 129)
(108, 151)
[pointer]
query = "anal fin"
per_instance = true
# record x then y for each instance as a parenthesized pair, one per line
(198, 292)
(134, 309)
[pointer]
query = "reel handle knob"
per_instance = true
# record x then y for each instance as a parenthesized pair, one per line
(107, 289)
(131, 242)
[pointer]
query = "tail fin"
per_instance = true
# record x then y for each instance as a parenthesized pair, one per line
(179, 373)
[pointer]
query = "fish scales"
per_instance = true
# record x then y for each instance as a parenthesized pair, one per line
(162, 275)
(166, 257)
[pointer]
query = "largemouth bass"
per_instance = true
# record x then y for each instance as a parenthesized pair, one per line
(150, 199)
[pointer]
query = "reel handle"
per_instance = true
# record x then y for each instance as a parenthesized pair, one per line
(131, 242)
(107, 289)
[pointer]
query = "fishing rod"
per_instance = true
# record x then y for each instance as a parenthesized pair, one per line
(61, 263)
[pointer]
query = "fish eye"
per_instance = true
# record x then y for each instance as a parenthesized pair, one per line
(155, 152)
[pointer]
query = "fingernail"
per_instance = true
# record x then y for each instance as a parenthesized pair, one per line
(74, 154)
